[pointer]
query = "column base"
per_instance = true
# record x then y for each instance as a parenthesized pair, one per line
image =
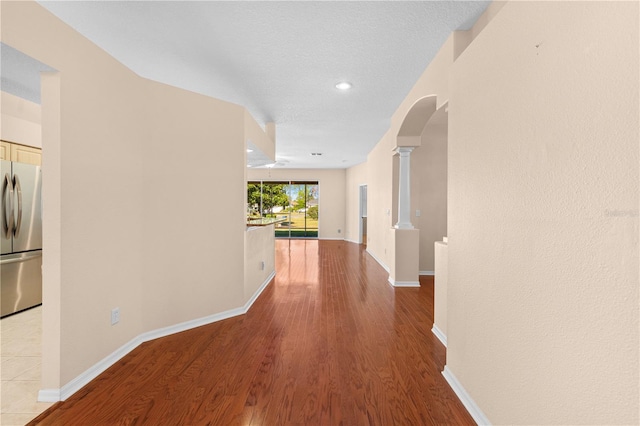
(404, 283)
(404, 270)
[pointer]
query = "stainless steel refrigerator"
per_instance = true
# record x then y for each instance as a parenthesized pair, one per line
(21, 229)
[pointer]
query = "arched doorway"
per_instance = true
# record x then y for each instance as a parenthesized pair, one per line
(425, 129)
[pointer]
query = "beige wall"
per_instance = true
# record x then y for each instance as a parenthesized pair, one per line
(254, 133)
(380, 161)
(259, 242)
(543, 220)
(259, 258)
(429, 187)
(192, 206)
(404, 258)
(138, 218)
(102, 219)
(441, 267)
(52, 231)
(20, 120)
(379, 199)
(331, 196)
(433, 81)
(355, 177)
(542, 320)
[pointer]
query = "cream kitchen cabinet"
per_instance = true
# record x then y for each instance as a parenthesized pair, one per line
(5, 151)
(20, 153)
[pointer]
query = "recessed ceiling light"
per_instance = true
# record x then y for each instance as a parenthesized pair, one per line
(343, 85)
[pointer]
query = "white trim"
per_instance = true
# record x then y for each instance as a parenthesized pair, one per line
(362, 210)
(331, 239)
(351, 241)
(385, 267)
(439, 334)
(465, 398)
(188, 325)
(54, 395)
(430, 273)
(403, 283)
(49, 395)
(258, 292)
(92, 372)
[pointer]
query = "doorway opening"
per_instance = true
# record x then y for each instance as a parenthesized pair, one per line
(27, 331)
(362, 215)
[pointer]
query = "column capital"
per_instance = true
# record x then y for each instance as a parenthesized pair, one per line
(404, 150)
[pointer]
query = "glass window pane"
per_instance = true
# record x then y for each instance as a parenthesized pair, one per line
(294, 203)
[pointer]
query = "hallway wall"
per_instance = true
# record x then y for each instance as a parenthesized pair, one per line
(132, 211)
(382, 203)
(380, 200)
(355, 176)
(542, 210)
(543, 205)
(543, 220)
(20, 120)
(429, 187)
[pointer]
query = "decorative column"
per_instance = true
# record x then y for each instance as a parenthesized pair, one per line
(405, 239)
(404, 188)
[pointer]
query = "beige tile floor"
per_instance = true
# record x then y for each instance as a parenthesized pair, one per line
(20, 350)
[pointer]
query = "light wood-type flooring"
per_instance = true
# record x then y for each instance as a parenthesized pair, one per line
(329, 342)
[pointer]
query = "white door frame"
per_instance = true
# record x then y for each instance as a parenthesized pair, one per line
(362, 211)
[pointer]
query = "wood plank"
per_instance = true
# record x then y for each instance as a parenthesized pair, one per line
(329, 342)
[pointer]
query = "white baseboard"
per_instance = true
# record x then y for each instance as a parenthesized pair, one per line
(403, 283)
(332, 239)
(54, 395)
(92, 372)
(465, 398)
(440, 335)
(352, 241)
(258, 292)
(430, 273)
(385, 267)
(49, 395)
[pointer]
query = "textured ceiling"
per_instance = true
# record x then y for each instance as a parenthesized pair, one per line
(281, 60)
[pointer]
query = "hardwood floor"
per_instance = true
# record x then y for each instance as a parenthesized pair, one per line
(329, 342)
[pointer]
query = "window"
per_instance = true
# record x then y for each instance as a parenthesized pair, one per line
(295, 203)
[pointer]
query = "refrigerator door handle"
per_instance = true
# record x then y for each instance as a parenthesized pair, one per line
(7, 206)
(18, 190)
(22, 258)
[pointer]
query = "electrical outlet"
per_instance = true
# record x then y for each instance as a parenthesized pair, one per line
(115, 316)
(418, 213)
(262, 265)
(339, 231)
